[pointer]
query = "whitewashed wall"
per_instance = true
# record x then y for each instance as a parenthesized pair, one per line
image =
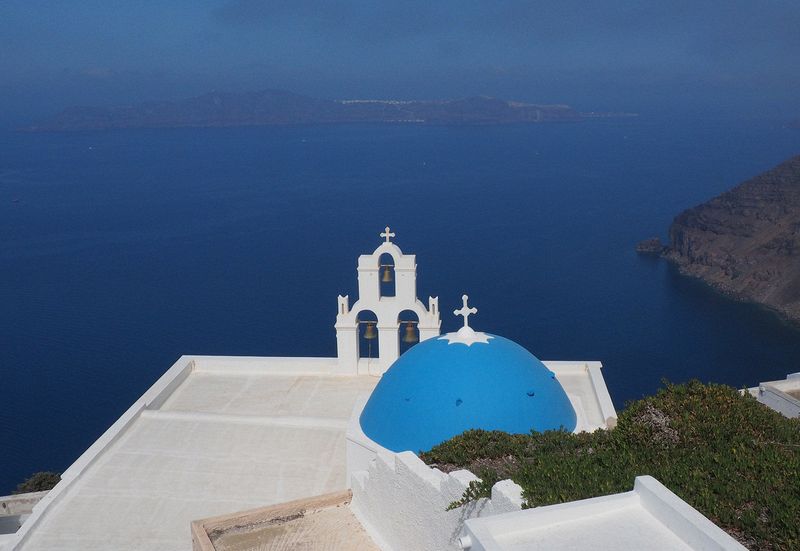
(773, 394)
(663, 521)
(402, 503)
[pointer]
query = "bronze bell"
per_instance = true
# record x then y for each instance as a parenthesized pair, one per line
(387, 274)
(410, 335)
(369, 332)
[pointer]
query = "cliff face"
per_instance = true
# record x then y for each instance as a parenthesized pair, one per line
(746, 242)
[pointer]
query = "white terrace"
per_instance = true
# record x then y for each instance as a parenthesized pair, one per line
(216, 435)
(212, 436)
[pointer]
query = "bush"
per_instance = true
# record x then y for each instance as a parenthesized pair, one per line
(38, 482)
(731, 458)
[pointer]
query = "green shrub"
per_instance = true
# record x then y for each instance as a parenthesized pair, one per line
(731, 458)
(38, 482)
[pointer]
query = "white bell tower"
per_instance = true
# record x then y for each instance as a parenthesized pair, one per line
(386, 309)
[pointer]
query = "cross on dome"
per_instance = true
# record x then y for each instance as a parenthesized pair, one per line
(465, 310)
(387, 234)
(466, 335)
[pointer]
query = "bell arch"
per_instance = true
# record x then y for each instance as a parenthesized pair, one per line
(368, 342)
(388, 281)
(386, 308)
(408, 330)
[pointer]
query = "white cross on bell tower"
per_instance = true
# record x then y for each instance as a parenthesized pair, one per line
(388, 235)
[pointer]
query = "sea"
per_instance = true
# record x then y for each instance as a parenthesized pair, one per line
(122, 250)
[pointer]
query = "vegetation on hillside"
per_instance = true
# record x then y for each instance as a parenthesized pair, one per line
(38, 482)
(731, 458)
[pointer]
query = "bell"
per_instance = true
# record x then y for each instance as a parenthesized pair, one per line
(369, 332)
(387, 275)
(411, 335)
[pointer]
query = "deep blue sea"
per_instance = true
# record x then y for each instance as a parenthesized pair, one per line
(122, 250)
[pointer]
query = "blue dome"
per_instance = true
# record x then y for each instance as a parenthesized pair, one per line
(437, 390)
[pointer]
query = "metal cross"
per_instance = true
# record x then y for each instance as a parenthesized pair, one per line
(387, 234)
(465, 311)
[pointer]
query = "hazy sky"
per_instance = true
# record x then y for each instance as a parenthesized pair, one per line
(727, 57)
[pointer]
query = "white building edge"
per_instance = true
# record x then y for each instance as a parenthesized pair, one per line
(783, 396)
(216, 435)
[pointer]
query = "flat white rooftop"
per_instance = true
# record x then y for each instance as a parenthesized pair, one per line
(213, 436)
(649, 517)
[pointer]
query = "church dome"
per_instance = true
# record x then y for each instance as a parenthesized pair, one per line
(466, 380)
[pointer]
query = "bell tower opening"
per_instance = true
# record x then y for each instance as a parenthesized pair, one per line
(408, 330)
(388, 281)
(368, 342)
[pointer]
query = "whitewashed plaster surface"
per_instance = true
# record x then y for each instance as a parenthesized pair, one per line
(776, 395)
(649, 517)
(386, 308)
(212, 436)
(402, 503)
(587, 391)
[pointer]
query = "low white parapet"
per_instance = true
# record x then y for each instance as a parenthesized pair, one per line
(586, 389)
(20, 504)
(601, 394)
(402, 503)
(783, 396)
(153, 398)
(361, 450)
(15, 510)
(649, 517)
(265, 365)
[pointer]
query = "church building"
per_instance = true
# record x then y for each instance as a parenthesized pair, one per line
(242, 453)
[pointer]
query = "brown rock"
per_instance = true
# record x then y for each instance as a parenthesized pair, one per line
(650, 246)
(746, 242)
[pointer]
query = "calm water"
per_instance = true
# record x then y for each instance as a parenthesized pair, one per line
(120, 251)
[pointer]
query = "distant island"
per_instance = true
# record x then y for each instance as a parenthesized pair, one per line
(745, 242)
(278, 107)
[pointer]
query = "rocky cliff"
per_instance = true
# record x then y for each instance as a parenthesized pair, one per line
(746, 242)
